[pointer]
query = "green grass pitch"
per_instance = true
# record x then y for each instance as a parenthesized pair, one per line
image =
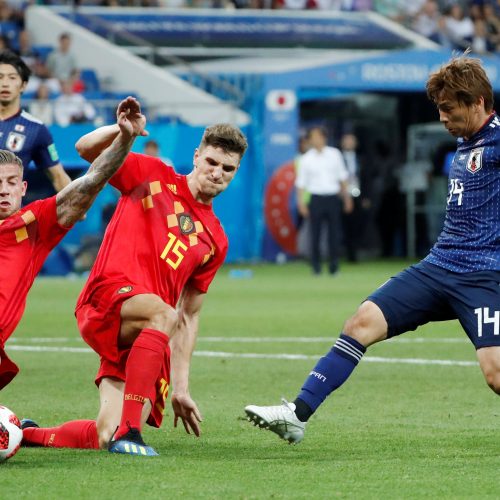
(396, 429)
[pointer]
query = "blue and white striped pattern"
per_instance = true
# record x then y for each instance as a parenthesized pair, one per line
(349, 349)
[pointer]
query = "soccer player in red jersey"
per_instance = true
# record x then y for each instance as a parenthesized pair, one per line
(28, 234)
(143, 298)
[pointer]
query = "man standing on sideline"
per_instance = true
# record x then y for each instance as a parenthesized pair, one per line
(354, 223)
(460, 277)
(28, 234)
(20, 132)
(144, 294)
(322, 173)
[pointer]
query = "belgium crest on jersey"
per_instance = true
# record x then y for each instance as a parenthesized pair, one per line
(475, 161)
(15, 141)
(186, 224)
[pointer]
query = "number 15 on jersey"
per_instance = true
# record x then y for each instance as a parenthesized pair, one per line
(174, 248)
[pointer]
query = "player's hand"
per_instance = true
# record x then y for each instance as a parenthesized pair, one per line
(303, 209)
(348, 205)
(130, 119)
(186, 410)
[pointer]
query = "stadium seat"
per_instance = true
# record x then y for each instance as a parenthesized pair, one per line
(43, 50)
(93, 94)
(90, 80)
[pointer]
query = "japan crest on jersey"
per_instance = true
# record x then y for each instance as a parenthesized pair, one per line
(475, 163)
(15, 141)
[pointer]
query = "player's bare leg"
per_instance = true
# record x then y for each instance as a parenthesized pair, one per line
(368, 325)
(145, 311)
(489, 361)
(111, 401)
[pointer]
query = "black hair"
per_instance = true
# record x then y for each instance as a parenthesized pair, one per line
(9, 57)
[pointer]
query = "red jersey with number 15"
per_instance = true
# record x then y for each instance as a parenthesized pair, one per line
(160, 237)
(26, 238)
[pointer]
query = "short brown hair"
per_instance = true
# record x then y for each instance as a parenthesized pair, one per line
(462, 79)
(225, 136)
(7, 158)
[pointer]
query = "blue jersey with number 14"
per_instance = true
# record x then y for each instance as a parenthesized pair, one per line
(470, 240)
(29, 139)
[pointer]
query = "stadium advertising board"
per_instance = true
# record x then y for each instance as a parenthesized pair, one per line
(212, 28)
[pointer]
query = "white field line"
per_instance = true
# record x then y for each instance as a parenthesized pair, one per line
(249, 355)
(44, 348)
(275, 340)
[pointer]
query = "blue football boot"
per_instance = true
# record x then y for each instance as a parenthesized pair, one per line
(27, 422)
(131, 443)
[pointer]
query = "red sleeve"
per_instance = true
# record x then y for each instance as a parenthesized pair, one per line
(45, 213)
(135, 170)
(202, 278)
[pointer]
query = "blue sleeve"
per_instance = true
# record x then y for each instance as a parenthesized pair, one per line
(44, 150)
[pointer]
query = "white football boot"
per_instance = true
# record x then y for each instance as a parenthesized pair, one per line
(279, 419)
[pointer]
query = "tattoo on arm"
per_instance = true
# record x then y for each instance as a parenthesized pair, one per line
(76, 198)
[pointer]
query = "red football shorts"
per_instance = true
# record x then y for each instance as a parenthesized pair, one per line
(99, 323)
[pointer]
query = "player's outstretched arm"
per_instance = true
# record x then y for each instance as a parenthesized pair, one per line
(91, 145)
(77, 197)
(182, 345)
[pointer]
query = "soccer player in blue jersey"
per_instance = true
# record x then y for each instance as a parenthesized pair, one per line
(459, 279)
(23, 134)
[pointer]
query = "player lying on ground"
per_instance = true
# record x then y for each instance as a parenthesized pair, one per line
(28, 234)
(459, 279)
(160, 253)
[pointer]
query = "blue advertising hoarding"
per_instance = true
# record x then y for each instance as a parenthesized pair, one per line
(257, 28)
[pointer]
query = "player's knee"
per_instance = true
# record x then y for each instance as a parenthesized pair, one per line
(163, 318)
(489, 360)
(367, 325)
(355, 326)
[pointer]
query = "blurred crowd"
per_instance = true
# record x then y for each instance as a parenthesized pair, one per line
(455, 24)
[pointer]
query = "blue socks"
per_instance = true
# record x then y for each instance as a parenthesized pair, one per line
(331, 371)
